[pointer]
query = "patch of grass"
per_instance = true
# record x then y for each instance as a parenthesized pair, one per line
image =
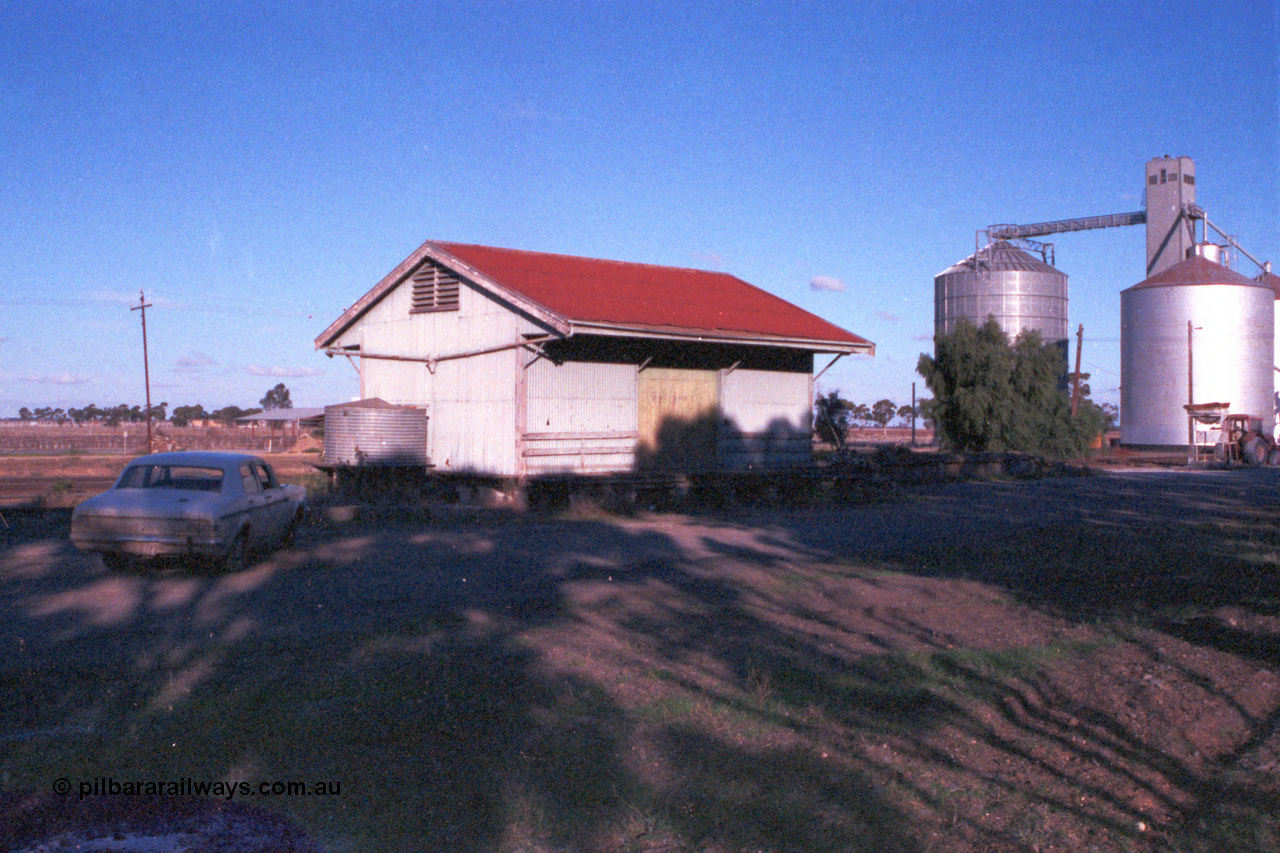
(315, 482)
(60, 495)
(725, 717)
(898, 688)
(669, 709)
(662, 674)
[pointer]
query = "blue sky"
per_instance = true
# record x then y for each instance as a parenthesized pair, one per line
(255, 167)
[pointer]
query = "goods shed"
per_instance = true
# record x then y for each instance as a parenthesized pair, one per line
(530, 363)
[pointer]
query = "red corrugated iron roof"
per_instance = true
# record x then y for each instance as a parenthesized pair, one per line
(604, 297)
(591, 291)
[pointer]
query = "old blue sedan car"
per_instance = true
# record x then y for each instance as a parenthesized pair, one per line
(216, 506)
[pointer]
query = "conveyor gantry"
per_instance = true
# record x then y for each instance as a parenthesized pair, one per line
(1020, 234)
(1039, 229)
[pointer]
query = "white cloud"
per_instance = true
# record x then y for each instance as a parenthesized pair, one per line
(56, 379)
(709, 260)
(282, 372)
(195, 361)
(826, 282)
(886, 316)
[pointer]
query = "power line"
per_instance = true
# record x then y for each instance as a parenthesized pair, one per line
(230, 308)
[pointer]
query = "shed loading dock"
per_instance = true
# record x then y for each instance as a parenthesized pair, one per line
(530, 363)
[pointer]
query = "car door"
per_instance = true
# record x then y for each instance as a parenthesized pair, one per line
(276, 498)
(261, 526)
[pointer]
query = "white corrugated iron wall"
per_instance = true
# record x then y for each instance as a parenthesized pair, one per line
(473, 408)
(767, 418)
(470, 401)
(473, 398)
(579, 416)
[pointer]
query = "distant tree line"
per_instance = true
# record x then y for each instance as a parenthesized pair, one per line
(834, 416)
(93, 414)
(276, 398)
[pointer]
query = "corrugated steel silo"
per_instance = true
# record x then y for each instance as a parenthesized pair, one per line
(1199, 333)
(375, 432)
(1272, 281)
(1018, 290)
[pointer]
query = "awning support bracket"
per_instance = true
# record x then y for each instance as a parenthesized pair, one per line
(828, 367)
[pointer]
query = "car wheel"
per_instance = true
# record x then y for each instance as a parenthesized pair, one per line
(116, 562)
(290, 536)
(237, 556)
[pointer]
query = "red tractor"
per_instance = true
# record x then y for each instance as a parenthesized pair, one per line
(1242, 439)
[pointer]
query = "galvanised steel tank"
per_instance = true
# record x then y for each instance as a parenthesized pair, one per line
(1271, 280)
(1018, 290)
(375, 432)
(1196, 332)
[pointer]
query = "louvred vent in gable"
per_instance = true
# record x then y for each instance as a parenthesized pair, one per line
(434, 289)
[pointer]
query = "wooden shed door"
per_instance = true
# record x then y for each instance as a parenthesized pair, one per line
(678, 417)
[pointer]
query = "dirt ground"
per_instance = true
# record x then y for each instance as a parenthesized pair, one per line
(1071, 664)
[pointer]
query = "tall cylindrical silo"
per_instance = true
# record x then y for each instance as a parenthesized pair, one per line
(1195, 333)
(1272, 281)
(1000, 281)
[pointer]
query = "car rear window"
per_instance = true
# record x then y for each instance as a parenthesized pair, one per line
(187, 478)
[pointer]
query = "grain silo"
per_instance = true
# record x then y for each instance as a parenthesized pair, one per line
(1196, 332)
(1272, 281)
(1020, 291)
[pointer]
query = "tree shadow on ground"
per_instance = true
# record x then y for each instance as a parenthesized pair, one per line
(415, 666)
(757, 681)
(1171, 568)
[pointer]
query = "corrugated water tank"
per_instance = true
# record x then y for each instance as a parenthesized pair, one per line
(375, 432)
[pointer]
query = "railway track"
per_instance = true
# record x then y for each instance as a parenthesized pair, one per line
(17, 491)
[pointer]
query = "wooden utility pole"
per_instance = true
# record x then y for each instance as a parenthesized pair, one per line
(913, 414)
(1075, 380)
(1191, 399)
(142, 306)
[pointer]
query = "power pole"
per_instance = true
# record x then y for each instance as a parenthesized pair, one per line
(913, 414)
(142, 306)
(1191, 399)
(1075, 381)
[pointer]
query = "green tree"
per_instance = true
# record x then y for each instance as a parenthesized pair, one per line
(882, 411)
(227, 415)
(183, 415)
(832, 417)
(276, 398)
(991, 395)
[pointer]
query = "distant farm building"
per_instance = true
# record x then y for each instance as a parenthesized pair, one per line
(529, 363)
